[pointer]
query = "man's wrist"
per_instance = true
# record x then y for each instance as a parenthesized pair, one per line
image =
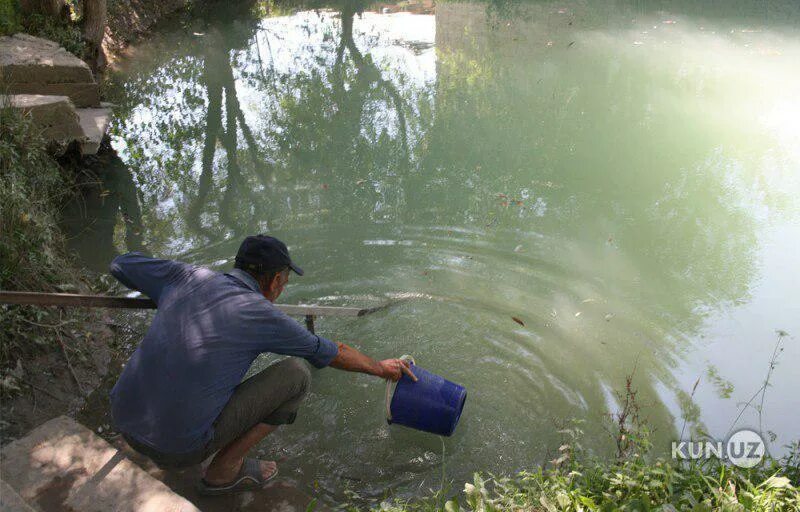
(377, 369)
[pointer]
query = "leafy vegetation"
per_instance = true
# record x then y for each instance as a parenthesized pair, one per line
(630, 485)
(636, 478)
(32, 251)
(9, 17)
(31, 182)
(636, 482)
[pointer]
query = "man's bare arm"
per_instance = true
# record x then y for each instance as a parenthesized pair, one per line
(352, 360)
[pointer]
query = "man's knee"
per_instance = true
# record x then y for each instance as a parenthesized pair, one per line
(297, 372)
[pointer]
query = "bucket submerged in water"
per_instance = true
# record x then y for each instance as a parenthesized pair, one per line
(432, 404)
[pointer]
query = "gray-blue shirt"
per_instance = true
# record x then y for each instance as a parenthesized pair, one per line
(207, 331)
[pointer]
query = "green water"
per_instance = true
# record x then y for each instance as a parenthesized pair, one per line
(622, 178)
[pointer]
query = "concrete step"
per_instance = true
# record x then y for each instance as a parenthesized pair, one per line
(31, 65)
(62, 465)
(11, 501)
(81, 94)
(61, 122)
(55, 116)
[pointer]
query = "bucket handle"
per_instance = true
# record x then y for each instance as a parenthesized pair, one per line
(389, 388)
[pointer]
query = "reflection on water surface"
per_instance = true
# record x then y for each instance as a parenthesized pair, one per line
(621, 178)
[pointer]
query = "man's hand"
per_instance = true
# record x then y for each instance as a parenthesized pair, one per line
(393, 369)
(352, 360)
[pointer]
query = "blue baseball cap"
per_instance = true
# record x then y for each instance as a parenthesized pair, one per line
(262, 253)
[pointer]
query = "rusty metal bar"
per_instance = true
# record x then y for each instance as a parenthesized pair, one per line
(101, 301)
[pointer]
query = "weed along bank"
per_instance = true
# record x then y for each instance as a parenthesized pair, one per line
(421, 256)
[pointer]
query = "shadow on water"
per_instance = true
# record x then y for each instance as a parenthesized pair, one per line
(569, 165)
(109, 202)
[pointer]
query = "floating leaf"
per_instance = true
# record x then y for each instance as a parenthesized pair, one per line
(520, 322)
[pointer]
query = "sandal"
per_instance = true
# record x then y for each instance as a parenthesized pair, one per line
(248, 479)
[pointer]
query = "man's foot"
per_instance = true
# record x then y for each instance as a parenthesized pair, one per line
(252, 474)
(218, 474)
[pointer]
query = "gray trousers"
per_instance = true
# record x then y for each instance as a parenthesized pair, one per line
(271, 396)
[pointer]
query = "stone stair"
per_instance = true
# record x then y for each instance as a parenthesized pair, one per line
(42, 78)
(61, 123)
(63, 466)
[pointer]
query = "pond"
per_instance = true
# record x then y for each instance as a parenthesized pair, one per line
(552, 195)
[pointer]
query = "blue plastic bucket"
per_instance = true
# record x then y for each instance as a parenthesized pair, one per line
(432, 404)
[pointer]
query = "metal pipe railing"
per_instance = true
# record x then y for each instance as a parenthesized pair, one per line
(104, 301)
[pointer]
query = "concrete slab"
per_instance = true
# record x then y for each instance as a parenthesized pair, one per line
(10, 501)
(94, 124)
(62, 465)
(25, 58)
(61, 122)
(31, 65)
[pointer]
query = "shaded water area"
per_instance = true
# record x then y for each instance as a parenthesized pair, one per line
(622, 177)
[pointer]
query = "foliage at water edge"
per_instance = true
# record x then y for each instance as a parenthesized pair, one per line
(634, 479)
